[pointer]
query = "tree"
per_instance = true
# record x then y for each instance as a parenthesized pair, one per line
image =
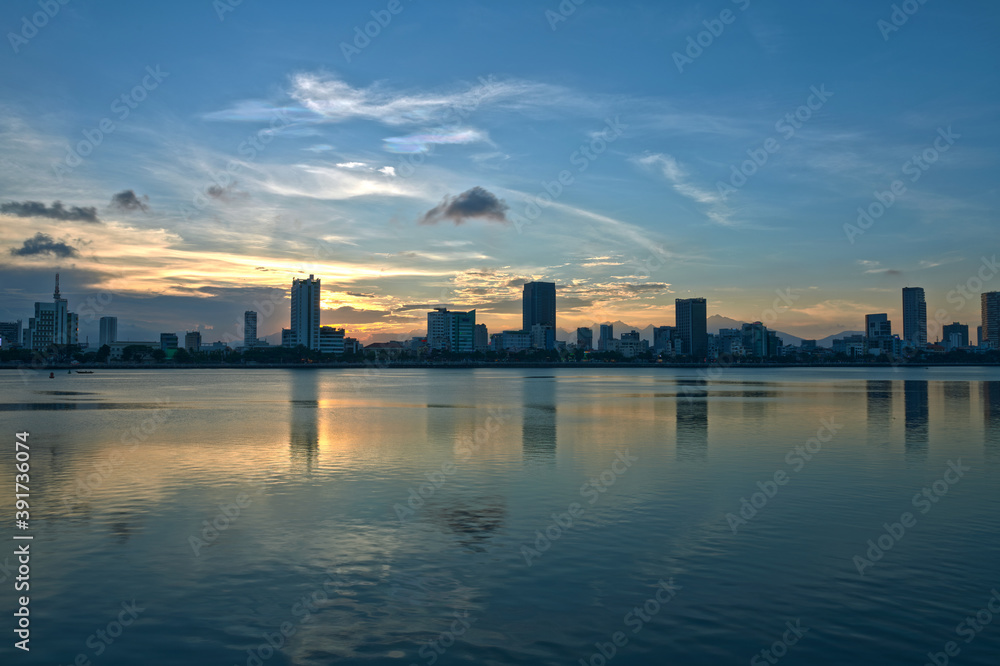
(102, 354)
(159, 355)
(182, 356)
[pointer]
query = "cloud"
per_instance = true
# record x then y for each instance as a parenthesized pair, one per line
(44, 244)
(227, 193)
(421, 143)
(56, 212)
(678, 178)
(474, 203)
(126, 200)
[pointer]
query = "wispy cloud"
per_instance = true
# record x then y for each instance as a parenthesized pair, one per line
(422, 142)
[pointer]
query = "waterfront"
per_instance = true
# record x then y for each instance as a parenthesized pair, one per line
(402, 516)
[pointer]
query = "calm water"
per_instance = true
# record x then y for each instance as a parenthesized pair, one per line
(399, 516)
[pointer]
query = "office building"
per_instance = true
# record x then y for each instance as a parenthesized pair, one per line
(287, 339)
(53, 324)
(331, 340)
(305, 312)
(168, 341)
(543, 336)
(538, 305)
(10, 334)
(663, 339)
(192, 341)
(914, 317)
(109, 330)
(955, 335)
(249, 329)
(878, 334)
(451, 331)
(692, 324)
(585, 338)
(480, 338)
(991, 319)
(607, 335)
(513, 341)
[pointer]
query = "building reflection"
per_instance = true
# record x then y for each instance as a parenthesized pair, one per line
(304, 420)
(879, 404)
(538, 427)
(915, 403)
(692, 419)
(991, 421)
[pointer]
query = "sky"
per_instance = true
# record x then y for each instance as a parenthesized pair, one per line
(414, 154)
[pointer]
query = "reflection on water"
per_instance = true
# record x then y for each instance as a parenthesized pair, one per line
(916, 408)
(692, 421)
(538, 429)
(991, 420)
(879, 402)
(352, 486)
(304, 420)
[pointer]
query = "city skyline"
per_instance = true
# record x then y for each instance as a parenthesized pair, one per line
(415, 182)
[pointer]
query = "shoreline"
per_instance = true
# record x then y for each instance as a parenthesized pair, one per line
(405, 365)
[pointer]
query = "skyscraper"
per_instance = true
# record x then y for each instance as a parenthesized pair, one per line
(955, 335)
(109, 330)
(607, 335)
(914, 317)
(691, 316)
(991, 319)
(249, 329)
(538, 305)
(305, 312)
(53, 324)
(451, 331)
(10, 334)
(585, 338)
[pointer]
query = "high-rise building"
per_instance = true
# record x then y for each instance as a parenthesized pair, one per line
(991, 319)
(451, 331)
(192, 341)
(109, 330)
(168, 341)
(878, 334)
(607, 335)
(10, 334)
(481, 338)
(914, 317)
(692, 326)
(538, 305)
(249, 329)
(543, 336)
(53, 324)
(585, 338)
(305, 312)
(955, 335)
(287, 338)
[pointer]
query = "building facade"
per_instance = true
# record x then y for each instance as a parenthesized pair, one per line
(538, 305)
(914, 317)
(331, 340)
(585, 338)
(692, 324)
(192, 341)
(249, 329)
(109, 330)
(305, 312)
(991, 319)
(451, 331)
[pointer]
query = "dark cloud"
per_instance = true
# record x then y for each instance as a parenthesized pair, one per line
(348, 315)
(227, 193)
(56, 212)
(516, 282)
(474, 203)
(127, 201)
(44, 244)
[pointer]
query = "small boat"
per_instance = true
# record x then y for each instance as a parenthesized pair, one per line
(84, 372)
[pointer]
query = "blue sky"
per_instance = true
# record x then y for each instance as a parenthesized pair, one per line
(449, 97)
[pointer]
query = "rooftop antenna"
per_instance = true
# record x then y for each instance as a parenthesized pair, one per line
(56, 294)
